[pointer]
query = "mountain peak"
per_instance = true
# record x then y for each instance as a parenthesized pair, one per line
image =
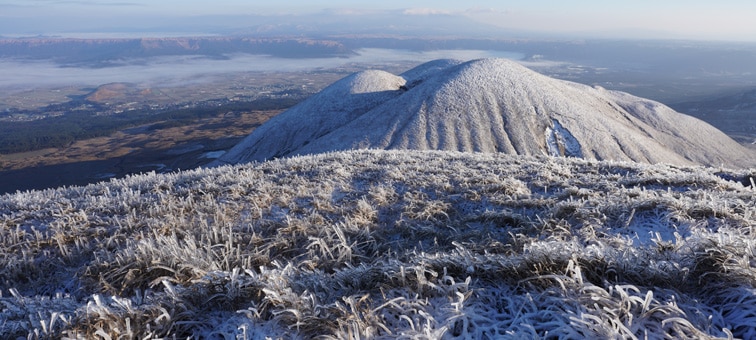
(488, 105)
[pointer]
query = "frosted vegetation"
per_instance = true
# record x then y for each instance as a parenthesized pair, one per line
(395, 244)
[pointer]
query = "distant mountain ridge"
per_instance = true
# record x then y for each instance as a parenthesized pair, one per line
(69, 50)
(488, 105)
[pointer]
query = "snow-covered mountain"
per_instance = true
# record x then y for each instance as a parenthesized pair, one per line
(488, 105)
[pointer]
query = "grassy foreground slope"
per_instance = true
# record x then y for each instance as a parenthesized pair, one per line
(365, 244)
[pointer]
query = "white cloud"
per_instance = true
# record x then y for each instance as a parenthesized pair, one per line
(486, 10)
(350, 11)
(426, 11)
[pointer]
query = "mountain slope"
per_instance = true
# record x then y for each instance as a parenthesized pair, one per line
(386, 244)
(335, 106)
(489, 105)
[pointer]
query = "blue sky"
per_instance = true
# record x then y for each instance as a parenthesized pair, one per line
(697, 19)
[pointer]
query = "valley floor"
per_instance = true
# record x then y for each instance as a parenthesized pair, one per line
(134, 150)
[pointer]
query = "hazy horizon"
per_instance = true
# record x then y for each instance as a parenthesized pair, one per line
(694, 20)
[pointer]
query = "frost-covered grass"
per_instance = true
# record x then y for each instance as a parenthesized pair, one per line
(398, 244)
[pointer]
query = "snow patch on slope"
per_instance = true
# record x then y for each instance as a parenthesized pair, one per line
(429, 69)
(561, 142)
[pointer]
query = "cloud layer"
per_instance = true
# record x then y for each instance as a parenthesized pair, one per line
(17, 74)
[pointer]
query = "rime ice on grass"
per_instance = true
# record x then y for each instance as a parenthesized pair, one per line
(386, 244)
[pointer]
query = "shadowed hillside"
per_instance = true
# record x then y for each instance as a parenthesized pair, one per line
(385, 244)
(488, 105)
